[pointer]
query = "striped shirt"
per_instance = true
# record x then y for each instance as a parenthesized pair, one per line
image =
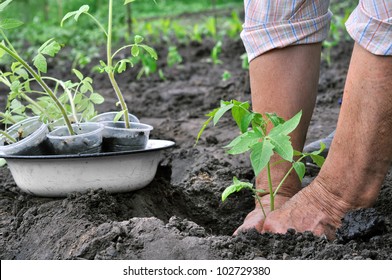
(271, 24)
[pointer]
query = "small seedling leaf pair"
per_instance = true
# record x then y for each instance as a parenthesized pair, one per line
(76, 14)
(235, 187)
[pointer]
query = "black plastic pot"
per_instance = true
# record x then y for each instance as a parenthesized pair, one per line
(116, 137)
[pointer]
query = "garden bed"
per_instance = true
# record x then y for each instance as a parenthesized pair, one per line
(180, 215)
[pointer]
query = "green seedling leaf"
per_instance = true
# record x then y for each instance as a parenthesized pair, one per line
(2, 162)
(243, 143)
(135, 50)
(22, 73)
(40, 63)
(235, 187)
(150, 50)
(4, 5)
(205, 124)
(67, 16)
(297, 153)
(261, 155)
(15, 86)
(286, 127)
(258, 121)
(78, 98)
(138, 39)
(75, 14)
(128, 1)
(275, 119)
(282, 146)
(221, 111)
(9, 23)
(78, 74)
(44, 45)
(86, 86)
(122, 66)
(82, 105)
(242, 116)
(299, 168)
(317, 159)
(96, 98)
(322, 148)
(118, 116)
(51, 49)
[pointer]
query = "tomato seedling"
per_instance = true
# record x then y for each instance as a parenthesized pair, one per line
(111, 67)
(262, 145)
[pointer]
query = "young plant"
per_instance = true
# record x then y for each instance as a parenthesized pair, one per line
(24, 70)
(215, 52)
(111, 67)
(226, 75)
(173, 56)
(245, 63)
(262, 145)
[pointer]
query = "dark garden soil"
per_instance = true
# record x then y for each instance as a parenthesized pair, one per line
(180, 215)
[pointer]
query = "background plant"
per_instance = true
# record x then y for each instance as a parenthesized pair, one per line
(262, 145)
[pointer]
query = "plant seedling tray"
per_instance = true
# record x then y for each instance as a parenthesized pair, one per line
(59, 175)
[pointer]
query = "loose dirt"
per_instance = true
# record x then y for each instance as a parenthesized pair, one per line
(180, 214)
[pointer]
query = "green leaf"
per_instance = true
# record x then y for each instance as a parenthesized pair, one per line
(82, 9)
(15, 86)
(242, 117)
(261, 155)
(243, 143)
(299, 168)
(135, 50)
(2, 162)
(67, 16)
(203, 127)
(282, 145)
(4, 5)
(322, 148)
(317, 159)
(86, 87)
(297, 153)
(138, 39)
(96, 98)
(118, 116)
(286, 127)
(9, 23)
(122, 66)
(150, 50)
(40, 63)
(82, 105)
(128, 1)
(221, 111)
(22, 72)
(275, 119)
(78, 98)
(78, 74)
(75, 14)
(235, 187)
(51, 48)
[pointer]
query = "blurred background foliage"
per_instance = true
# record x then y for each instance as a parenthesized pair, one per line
(169, 22)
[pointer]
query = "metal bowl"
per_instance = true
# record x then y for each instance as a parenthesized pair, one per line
(59, 175)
